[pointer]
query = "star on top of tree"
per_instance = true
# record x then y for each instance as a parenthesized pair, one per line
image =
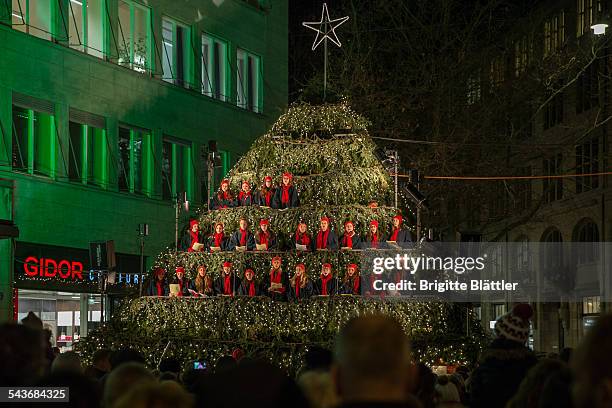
(325, 28)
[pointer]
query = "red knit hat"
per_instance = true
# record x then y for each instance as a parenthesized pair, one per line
(192, 223)
(326, 265)
(515, 325)
(348, 222)
(245, 182)
(300, 266)
(227, 264)
(399, 217)
(374, 222)
(267, 178)
(287, 174)
(264, 221)
(225, 181)
(324, 218)
(180, 269)
(277, 258)
(354, 266)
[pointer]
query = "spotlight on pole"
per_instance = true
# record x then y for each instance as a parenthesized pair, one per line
(415, 195)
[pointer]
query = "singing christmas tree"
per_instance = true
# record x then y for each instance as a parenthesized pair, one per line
(331, 159)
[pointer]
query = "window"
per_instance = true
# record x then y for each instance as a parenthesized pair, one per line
(176, 49)
(135, 162)
(214, 57)
(587, 233)
(88, 155)
(523, 54)
(587, 12)
(554, 33)
(134, 36)
(33, 141)
(552, 187)
(499, 309)
(85, 29)
(587, 88)
(587, 161)
(248, 80)
(523, 255)
(496, 72)
(473, 89)
(33, 17)
(591, 305)
(176, 169)
(552, 253)
(553, 111)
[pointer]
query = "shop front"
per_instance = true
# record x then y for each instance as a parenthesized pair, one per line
(56, 283)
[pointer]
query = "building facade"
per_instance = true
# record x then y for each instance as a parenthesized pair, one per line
(107, 108)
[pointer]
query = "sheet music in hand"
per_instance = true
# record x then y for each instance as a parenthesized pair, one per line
(241, 248)
(261, 247)
(301, 247)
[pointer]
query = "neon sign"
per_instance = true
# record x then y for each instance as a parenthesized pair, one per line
(50, 268)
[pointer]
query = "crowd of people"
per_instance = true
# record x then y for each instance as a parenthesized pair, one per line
(371, 366)
(276, 283)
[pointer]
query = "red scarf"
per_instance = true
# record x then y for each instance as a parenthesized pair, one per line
(243, 195)
(374, 240)
(322, 239)
(194, 239)
(218, 239)
(276, 276)
(263, 238)
(180, 283)
(394, 235)
(160, 291)
(224, 196)
(324, 280)
(285, 194)
(252, 288)
(356, 285)
(348, 240)
(243, 237)
(227, 285)
(297, 286)
(267, 197)
(302, 239)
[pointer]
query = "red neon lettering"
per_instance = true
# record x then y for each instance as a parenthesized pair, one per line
(30, 266)
(77, 270)
(64, 269)
(50, 268)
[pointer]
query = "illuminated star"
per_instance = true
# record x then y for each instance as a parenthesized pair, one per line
(325, 28)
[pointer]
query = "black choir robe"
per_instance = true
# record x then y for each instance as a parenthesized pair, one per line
(221, 202)
(243, 289)
(403, 238)
(272, 242)
(356, 241)
(267, 281)
(306, 292)
(265, 200)
(211, 243)
(208, 292)
(346, 288)
(186, 285)
(332, 286)
(310, 246)
(219, 284)
(185, 243)
(152, 288)
(367, 242)
(332, 241)
(235, 241)
(245, 200)
(294, 200)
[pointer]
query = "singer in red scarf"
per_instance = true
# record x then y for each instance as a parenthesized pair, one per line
(300, 286)
(264, 236)
(192, 237)
(286, 195)
(224, 197)
(265, 195)
(277, 281)
(158, 286)
(351, 284)
(249, 287)
(179, 279)
(350, 239)
(326, 238)
(243, 237)
(326, 284)
(302, 237)
(398, 234)
(218, 239)
(245, 197)
(228, 283)
(373, 238)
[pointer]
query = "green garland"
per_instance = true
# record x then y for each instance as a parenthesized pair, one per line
(279, 331)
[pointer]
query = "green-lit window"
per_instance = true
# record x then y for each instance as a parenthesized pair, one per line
(214, 57)
(177, 169)
(134, 36)
(33, 17)
(135, 161)
(88, 155)
(248, 80)
(33, 141)
(219, 174)
(176, 52)
(85, 26)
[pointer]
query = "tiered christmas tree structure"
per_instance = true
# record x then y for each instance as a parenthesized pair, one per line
(328, 150)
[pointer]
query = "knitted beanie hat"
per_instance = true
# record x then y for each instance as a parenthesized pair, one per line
(515, 325)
